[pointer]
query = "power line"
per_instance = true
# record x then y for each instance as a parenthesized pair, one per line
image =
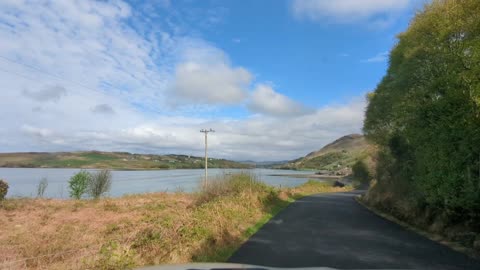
(53, 75)
(58, 77)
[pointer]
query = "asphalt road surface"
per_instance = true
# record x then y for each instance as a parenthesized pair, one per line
(333, 230)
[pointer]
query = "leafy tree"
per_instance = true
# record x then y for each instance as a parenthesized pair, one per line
(100, 183)
(425, 113)
(78, 184)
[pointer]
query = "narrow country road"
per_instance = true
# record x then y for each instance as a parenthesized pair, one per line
(333, 230)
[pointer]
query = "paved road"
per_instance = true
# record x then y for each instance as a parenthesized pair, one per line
(333, 230)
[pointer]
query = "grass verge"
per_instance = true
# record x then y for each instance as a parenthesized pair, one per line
(138, 230)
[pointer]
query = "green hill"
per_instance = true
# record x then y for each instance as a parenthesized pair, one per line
(111, 160)
(336, 157)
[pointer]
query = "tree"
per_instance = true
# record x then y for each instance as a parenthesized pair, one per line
(100, 183)
(78, 184)
(425, 113)
(42, 186)
(360, 172)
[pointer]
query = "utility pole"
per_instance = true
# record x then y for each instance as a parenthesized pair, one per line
(206, 156)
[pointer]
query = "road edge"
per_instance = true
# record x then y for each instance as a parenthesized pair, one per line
(434, 237)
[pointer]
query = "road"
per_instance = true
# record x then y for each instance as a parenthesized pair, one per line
(333, 230)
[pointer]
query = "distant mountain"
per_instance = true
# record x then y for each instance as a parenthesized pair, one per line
(335, 157)
(111, 160)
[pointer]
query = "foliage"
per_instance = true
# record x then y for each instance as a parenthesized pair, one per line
(229, 185)
(360, 172)
(100, 183)
(78, 184)
(425, 113)
(327, 161)
(3, 189)
(114, 256)
(41, 187)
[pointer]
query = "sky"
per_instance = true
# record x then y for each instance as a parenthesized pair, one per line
(276, 79)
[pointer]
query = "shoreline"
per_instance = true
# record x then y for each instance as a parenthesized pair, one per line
(125, 169)
(315, 176)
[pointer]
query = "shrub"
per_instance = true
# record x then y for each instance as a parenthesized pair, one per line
(229, 185)
(3, 189)
(78, 184)
(42, 186)
(100, 183)
(360, 172)
(114, 256)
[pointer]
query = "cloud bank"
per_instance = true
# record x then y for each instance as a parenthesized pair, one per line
(90, 75)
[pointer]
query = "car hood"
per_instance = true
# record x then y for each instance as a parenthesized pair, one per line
(229, 266)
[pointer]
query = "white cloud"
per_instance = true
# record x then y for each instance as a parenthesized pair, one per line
(206, 76)
(84, 42)
(348, 11)
(256, 137)
(266, 101)
(380, 57)
(37, 132)
(94, 59)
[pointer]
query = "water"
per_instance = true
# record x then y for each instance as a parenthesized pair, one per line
(23, 182)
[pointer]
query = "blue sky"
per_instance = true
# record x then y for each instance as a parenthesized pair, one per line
(276, 79)
(313, 62)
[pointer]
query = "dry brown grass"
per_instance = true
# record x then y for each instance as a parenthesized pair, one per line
(140, 229)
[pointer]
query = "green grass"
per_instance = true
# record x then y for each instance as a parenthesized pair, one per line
(112, 160)
(95, 157)
(65, 163)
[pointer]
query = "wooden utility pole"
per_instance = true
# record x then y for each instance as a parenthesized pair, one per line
(206, 154)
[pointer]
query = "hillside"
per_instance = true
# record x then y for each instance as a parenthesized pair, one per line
(336, 157)
(263, 164)
(112, 160)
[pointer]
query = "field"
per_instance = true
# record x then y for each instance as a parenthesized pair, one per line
(111, 160)
(143, 229)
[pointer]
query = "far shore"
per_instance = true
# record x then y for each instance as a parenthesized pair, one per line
(123, 169)
(316, 176)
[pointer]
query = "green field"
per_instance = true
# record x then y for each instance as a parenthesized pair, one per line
(111, 160)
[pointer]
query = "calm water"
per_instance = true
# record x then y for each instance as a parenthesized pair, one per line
(23, 182)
